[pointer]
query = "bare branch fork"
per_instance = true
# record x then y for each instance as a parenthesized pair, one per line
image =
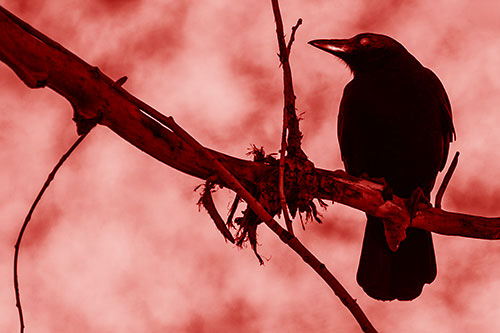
(291, 144)
(290, 129)
(39, 61)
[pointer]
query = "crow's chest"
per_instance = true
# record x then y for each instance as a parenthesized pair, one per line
(388, 112)
(391, 129)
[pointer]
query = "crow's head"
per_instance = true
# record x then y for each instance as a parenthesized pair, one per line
(366, 52)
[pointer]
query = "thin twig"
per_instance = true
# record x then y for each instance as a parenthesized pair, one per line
(294, 135)
(208, 203)
(288, 110)
(446, 180)
(281, 182)
(232, 210)
(28, 218)
(292, 36)
(284, 235)
(284, 131)
(287, 82)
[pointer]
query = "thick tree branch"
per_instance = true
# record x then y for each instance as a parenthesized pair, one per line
(92, 94)
(367, 196)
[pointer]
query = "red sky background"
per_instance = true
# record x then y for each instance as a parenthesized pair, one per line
(118, 244)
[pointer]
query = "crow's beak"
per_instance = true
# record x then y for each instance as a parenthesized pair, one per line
(337, 47)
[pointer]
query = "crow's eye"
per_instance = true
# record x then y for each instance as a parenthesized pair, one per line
(364, 41)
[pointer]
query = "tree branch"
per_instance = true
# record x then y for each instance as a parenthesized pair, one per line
(290, 126)
(287, 238)
(291, 138)
(292, 123)
(92, 94)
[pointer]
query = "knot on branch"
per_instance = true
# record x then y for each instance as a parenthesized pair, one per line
(85, 124)
(301, 183)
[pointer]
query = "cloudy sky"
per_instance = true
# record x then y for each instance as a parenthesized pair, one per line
(118, 244)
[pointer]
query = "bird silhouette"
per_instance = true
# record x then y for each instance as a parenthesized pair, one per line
(394, 123)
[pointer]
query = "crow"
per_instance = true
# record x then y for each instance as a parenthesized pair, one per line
(394, 123)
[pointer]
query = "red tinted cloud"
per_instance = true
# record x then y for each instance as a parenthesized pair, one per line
(118, 244)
